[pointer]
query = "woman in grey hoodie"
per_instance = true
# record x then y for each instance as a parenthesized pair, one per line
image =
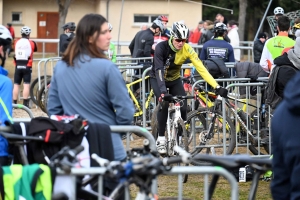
(85, 82)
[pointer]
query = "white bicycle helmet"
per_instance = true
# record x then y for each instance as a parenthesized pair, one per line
(179, 31)
(110, 27)
(278, 11)
(220, 27)
(25, 30)
(159, 24)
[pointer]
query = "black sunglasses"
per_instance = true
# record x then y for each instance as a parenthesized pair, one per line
(180, 40)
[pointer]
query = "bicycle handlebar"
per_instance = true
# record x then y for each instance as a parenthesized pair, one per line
(235, 161)
(143, 164)
(65, 158)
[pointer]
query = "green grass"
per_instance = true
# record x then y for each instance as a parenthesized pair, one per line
(194, 188)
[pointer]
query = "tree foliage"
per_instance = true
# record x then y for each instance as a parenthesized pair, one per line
(251, 17)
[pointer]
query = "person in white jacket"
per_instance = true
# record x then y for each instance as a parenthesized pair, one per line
(232, 27)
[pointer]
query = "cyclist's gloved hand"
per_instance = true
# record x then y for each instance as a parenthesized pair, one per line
(221, 91)
(166, 97)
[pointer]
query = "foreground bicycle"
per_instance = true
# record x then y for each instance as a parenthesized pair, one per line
(141, 169)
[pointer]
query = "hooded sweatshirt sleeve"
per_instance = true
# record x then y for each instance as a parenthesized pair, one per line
(119, 98)
(159, 67)
(6, 88)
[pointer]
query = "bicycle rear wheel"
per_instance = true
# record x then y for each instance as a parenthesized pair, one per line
(253, 126)
(43, 97)
(34, 88)
(203, 118)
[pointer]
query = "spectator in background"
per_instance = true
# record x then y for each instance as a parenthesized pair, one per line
(144, 26)
(208, 31)
(196, 33)
(258, 46)
(141, 45)
(66, 37)
(218, 47)
(221, 18)
(274, 46)
(12, 33)
(111, 53)
(232, 28)
(164, 35)
(289, 64)
(278, 12)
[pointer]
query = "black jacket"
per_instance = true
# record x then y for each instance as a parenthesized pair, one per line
(286, 72)
(141, 45)
(258, 47)
(286, 144)
(64, 41)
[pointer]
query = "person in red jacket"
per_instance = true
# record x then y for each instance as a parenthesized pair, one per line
(12, 33)
(196, 34)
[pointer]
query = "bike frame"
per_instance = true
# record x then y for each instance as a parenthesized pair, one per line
(139, 111)
(172, 125)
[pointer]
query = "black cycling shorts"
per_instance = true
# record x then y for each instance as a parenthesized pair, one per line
(22, 74)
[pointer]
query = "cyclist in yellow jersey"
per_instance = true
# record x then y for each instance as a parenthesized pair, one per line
(168, 58)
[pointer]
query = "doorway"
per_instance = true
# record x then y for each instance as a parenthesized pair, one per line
(47, 29)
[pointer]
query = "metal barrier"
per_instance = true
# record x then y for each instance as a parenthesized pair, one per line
(20, 106)
(258, 105)
(247, 85)
(177, 170)
(180, 170)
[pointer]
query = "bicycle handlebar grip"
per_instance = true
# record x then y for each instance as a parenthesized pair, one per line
(101, 161)
(171, 160)
(186, 157)
(77, 150)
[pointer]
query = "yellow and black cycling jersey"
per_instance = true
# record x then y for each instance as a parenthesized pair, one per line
(167, 64)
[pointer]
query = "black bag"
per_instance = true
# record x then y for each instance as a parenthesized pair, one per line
(216, 67)
(271, 96)
(56, 134)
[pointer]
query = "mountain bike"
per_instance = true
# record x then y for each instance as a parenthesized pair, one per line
(237, 108)
(176, 134)
(137, 100)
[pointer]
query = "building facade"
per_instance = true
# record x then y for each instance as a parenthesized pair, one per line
(42, 15)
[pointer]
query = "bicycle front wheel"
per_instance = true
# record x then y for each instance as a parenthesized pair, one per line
(211, 142)
(182, 141)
